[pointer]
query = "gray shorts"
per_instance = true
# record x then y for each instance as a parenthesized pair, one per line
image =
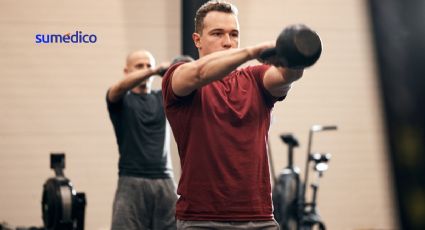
(142, 203)
(227, 225)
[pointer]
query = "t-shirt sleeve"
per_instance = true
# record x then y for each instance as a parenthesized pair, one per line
(113, 106)
(258, 72)
(169, 97)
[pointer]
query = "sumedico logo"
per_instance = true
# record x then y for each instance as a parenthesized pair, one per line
(77, 37)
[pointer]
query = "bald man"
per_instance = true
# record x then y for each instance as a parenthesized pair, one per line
(145, 196)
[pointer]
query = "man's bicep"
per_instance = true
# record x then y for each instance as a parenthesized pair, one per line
(115, 93)
(113, 105)
(274, 82)
(184, 80)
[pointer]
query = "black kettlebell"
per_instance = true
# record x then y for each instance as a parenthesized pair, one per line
(297, 46)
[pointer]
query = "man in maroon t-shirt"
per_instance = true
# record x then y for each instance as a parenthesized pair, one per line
(220, 118)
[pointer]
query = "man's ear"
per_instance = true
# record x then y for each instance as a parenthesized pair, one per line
(197, 40)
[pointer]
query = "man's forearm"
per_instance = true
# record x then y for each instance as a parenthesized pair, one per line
(135, 78)
(191, 76)
(278, 80)
(130, 81)
(217, 65)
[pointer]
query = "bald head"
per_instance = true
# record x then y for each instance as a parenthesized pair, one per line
(139, 59)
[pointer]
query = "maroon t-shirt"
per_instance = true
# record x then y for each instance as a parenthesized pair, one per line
(221, 133)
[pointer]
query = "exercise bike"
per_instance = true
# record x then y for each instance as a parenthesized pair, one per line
(291, 209)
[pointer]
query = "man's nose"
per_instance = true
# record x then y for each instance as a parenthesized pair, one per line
(227, 42)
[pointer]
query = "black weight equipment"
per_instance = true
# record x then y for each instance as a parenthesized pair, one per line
(297, 46)
(62, 207)
(286, 189)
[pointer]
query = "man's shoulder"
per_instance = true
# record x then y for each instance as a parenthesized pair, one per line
(170, 71)
(117, 103)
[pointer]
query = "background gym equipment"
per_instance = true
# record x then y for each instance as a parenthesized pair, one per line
(62, 207)
(291, 209)
(286, 189)
(297, 46)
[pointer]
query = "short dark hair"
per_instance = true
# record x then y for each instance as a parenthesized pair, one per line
(213, 5)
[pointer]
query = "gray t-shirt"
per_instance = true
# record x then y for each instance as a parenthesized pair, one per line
(142, 135)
